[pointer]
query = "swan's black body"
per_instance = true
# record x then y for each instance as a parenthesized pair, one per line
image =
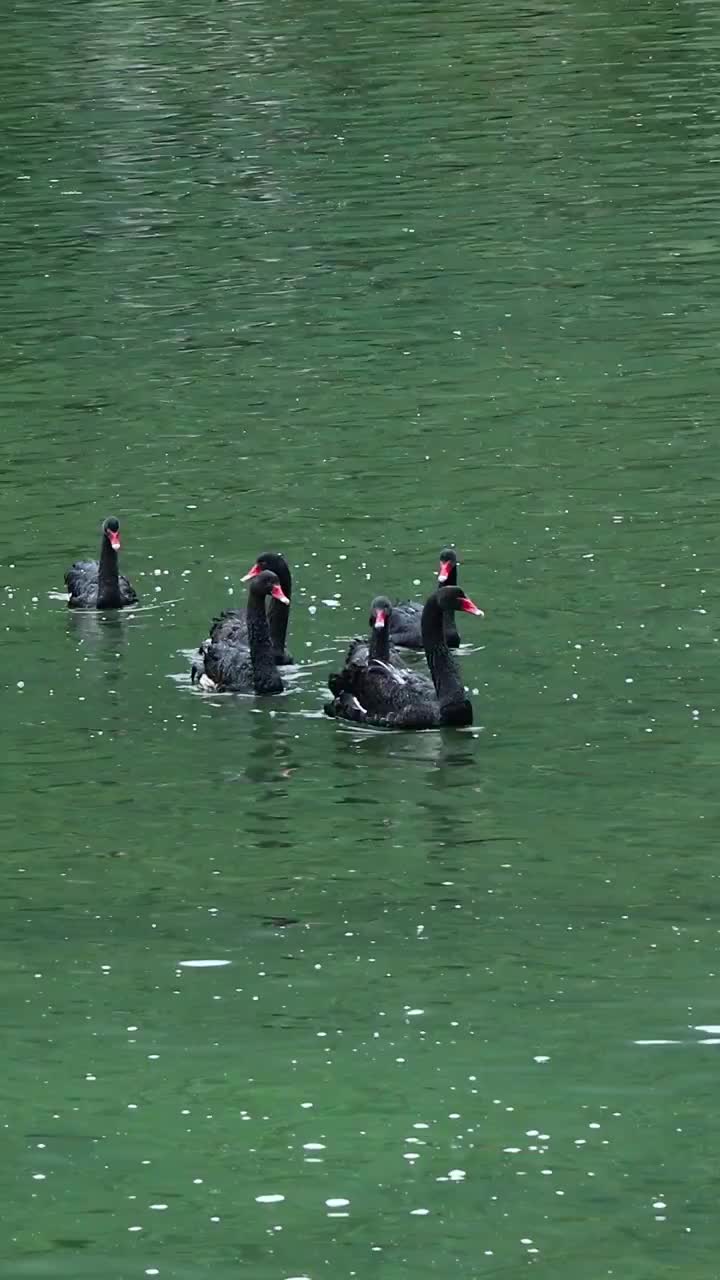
(231, 626)
(377, 693)
(406, 628)
(94, 584)
(364, 651)
(245, 668)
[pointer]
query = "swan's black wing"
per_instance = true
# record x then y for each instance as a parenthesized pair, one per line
(228, 666)
(358, 655)
(357, 660)
(81, 581)
(385, 689)
(405, 624)
(381, 693)
(406, 628)
(228, 631)
(358, 652)
(347, 706)
(128, 594)
(230, 628)
(231, 670)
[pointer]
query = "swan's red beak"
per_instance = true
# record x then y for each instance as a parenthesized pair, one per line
(467, 606)
(444, 570)
(114, 539)
(380, 620)
(252, 573)
(277, 592)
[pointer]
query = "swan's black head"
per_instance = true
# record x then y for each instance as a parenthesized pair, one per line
(267, 584)
(452, 598)
(380, 613)
(111, 529)
(277, 564)
(448, 566)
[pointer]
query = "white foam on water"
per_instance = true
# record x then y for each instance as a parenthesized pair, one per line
(649, 1042)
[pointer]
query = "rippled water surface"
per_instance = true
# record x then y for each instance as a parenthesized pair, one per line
(282, 998)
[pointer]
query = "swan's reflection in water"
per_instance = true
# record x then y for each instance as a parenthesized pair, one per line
(440, 750)
(272, 761)
(273, 754)
(101, 639)
(425, 800)
(407, 777)
(94, 624)
(354, 790)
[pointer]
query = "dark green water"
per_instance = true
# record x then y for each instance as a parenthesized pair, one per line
(354, 282)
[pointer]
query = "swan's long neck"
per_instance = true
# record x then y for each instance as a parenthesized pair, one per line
(379, 643)
(265, 678)
(448, 617)
(278, 614)
(108, 584)
(443, 668)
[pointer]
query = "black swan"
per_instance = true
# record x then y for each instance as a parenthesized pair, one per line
(231, 626)
(406, 629)
(98, 585)
(375, 648)
(392, 698)
(237, 668)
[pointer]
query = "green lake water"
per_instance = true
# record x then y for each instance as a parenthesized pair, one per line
(355, 282)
